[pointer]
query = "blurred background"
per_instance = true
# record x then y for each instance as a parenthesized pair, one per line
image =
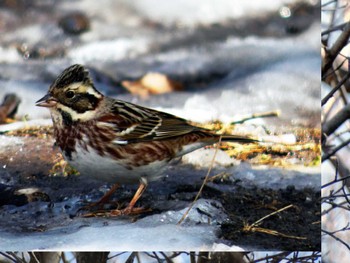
(220, 61)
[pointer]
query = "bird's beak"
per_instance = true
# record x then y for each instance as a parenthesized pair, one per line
(47, 101)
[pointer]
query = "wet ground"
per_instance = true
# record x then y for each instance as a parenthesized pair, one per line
(236, 196)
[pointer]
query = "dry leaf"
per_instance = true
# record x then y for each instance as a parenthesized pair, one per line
(152, 83)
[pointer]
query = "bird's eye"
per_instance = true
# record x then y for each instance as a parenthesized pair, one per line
(69, 94)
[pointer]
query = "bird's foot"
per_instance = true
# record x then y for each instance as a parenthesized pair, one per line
(128, 211)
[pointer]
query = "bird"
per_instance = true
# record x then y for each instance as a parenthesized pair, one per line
(116, 141)
(8, 107)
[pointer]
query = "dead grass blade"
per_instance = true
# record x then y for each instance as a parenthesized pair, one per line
(203, 184)
(254, 226)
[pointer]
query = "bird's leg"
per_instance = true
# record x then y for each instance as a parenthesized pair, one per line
(104, 199)
(130, 208)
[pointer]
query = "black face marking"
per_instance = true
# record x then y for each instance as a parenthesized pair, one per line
(83, 102)
(73, 74)
(66, 117)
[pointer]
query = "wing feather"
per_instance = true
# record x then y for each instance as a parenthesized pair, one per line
(133, 123)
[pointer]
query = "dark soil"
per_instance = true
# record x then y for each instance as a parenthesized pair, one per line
(302, 220)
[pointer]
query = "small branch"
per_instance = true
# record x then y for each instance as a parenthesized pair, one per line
(343, 205)
(328, 3)
(335, 28)
(336, 48)
(274, 113)
(273, 257)
(338, 86)
(334, 150)
(336, 238)
(5, 255)
(333, 71)
(330, 126)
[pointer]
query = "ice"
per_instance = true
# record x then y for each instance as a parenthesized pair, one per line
(204, 157)
(157, 232)
(277, 178)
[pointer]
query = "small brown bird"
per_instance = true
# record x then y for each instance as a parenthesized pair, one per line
(117, 141)
(8, 107)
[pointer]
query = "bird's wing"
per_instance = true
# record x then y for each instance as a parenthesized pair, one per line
(133, 123)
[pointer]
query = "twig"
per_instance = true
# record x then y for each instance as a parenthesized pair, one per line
(333, 71)
(63, 257)
(276, 256)
(332, 53)
(335, 28)
(345, 194)
(335, 205)
(328, 3)
(132, 257)
(330, 126)
(275, 113)
(326, 156)
(336, 238)
(17, 258)
(222, 174)
(271, 232)
(33, 257)
(203, 184)
(8, 257)
(271, 214)
(338, 86)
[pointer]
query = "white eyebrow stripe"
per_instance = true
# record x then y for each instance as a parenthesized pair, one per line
(75, 86)
(83, 88)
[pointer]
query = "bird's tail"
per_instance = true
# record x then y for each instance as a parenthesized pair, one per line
(237, 138)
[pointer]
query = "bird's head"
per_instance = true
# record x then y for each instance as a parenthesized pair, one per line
(72, 95)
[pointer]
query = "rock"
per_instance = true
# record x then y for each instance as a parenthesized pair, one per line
(74, 23)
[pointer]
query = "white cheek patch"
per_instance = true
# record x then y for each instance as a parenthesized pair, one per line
(86, 116)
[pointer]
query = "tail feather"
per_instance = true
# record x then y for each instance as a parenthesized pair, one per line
(237, 138)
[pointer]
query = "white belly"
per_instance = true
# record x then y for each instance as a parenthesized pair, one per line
(104, 168)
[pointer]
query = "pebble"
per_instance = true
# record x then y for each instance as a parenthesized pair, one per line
(74, 23)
